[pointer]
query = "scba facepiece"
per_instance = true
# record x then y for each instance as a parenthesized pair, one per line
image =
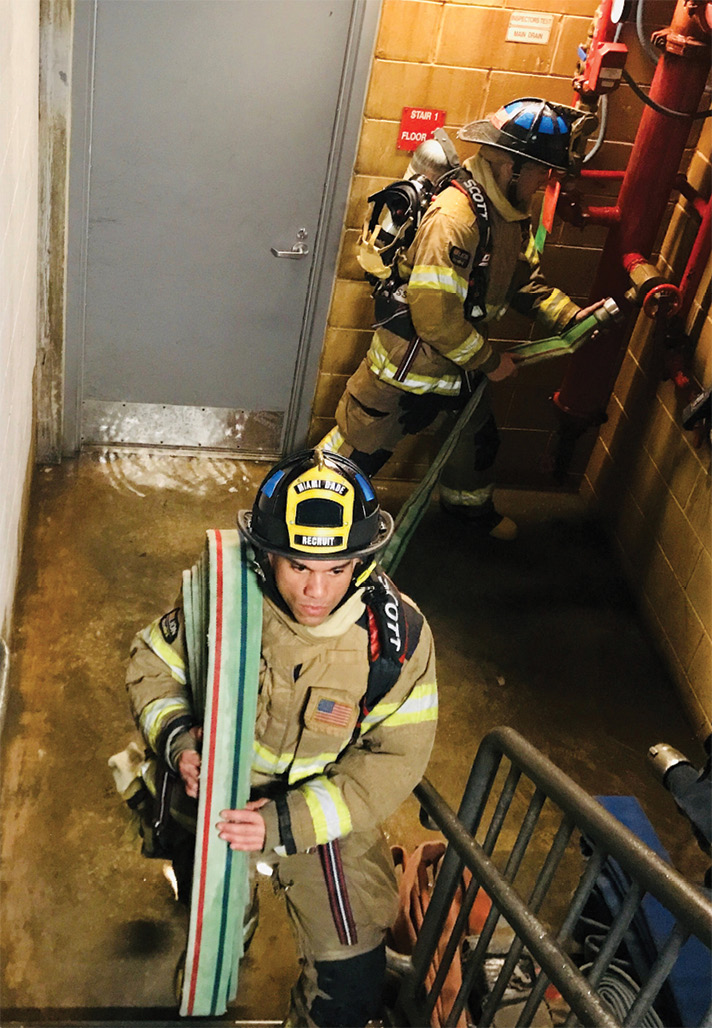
(316, 505)
(395, 215)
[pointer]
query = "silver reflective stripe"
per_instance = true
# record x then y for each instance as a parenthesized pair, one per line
(465, 497)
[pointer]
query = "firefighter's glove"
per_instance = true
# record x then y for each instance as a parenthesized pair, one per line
(185, 757)
(607, 312)
(182, 741)
(505, 369)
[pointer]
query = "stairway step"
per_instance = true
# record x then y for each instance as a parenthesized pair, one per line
(41, 1019)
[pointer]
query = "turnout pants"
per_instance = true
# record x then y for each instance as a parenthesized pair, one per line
(340, 898)
(372, 417)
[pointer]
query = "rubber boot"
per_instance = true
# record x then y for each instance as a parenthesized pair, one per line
(484, 519)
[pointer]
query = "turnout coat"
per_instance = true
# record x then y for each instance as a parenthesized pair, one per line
(334, 754)
(438, 268)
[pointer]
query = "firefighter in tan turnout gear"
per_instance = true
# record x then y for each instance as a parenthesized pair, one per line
(473, 257)
(346, 718)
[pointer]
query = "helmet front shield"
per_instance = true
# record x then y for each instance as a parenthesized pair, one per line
(319, 506)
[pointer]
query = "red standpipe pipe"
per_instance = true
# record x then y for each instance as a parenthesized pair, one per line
(606, 216)
(678, 84)
(604, 31)
(600, 174)
(602, 216)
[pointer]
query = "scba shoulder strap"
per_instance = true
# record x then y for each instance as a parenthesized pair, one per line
(394, 626)
(396, 214)
(475, 301)
(466, 184)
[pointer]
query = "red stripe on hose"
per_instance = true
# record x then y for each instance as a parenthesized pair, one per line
(207, 785)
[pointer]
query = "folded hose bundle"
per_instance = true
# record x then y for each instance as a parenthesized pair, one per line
(223, 621)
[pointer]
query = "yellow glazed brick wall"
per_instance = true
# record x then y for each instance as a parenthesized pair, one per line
(452, 55)
(652, 478)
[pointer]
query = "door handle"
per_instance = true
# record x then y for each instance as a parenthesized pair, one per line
(299, 250)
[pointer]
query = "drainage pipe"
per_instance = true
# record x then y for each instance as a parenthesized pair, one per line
(691, 194)
(696, 262)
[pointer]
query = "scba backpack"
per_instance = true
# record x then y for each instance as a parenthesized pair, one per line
(397, 210)
(395, 216)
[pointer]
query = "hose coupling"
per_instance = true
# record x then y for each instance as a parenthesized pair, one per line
(663, 757)
(608, 311)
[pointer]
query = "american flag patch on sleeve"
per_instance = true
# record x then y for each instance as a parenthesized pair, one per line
(331, 712)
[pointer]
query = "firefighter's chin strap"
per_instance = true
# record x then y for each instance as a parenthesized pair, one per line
(263, 569)
(517, 166)
(361, 576)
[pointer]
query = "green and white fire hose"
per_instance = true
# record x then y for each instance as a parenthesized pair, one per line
(223, 621)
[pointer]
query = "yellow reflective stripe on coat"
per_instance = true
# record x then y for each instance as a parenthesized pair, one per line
(384, 369)
(333, 440)
(462, 353)
(531, 253)
(420, 705)
(153, 637)
(553, 305)
(466, 497)
(266, 761)
(329, 813)
(306, 767)
(156, 714)
(439, 277)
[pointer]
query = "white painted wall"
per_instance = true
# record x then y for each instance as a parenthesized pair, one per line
(19, 80)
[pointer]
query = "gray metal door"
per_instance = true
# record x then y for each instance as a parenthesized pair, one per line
(206, 134)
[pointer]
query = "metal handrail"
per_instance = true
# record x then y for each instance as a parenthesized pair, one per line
(689, 906)
(681, 898)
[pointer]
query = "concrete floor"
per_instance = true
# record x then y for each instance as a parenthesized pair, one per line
(540, 634)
